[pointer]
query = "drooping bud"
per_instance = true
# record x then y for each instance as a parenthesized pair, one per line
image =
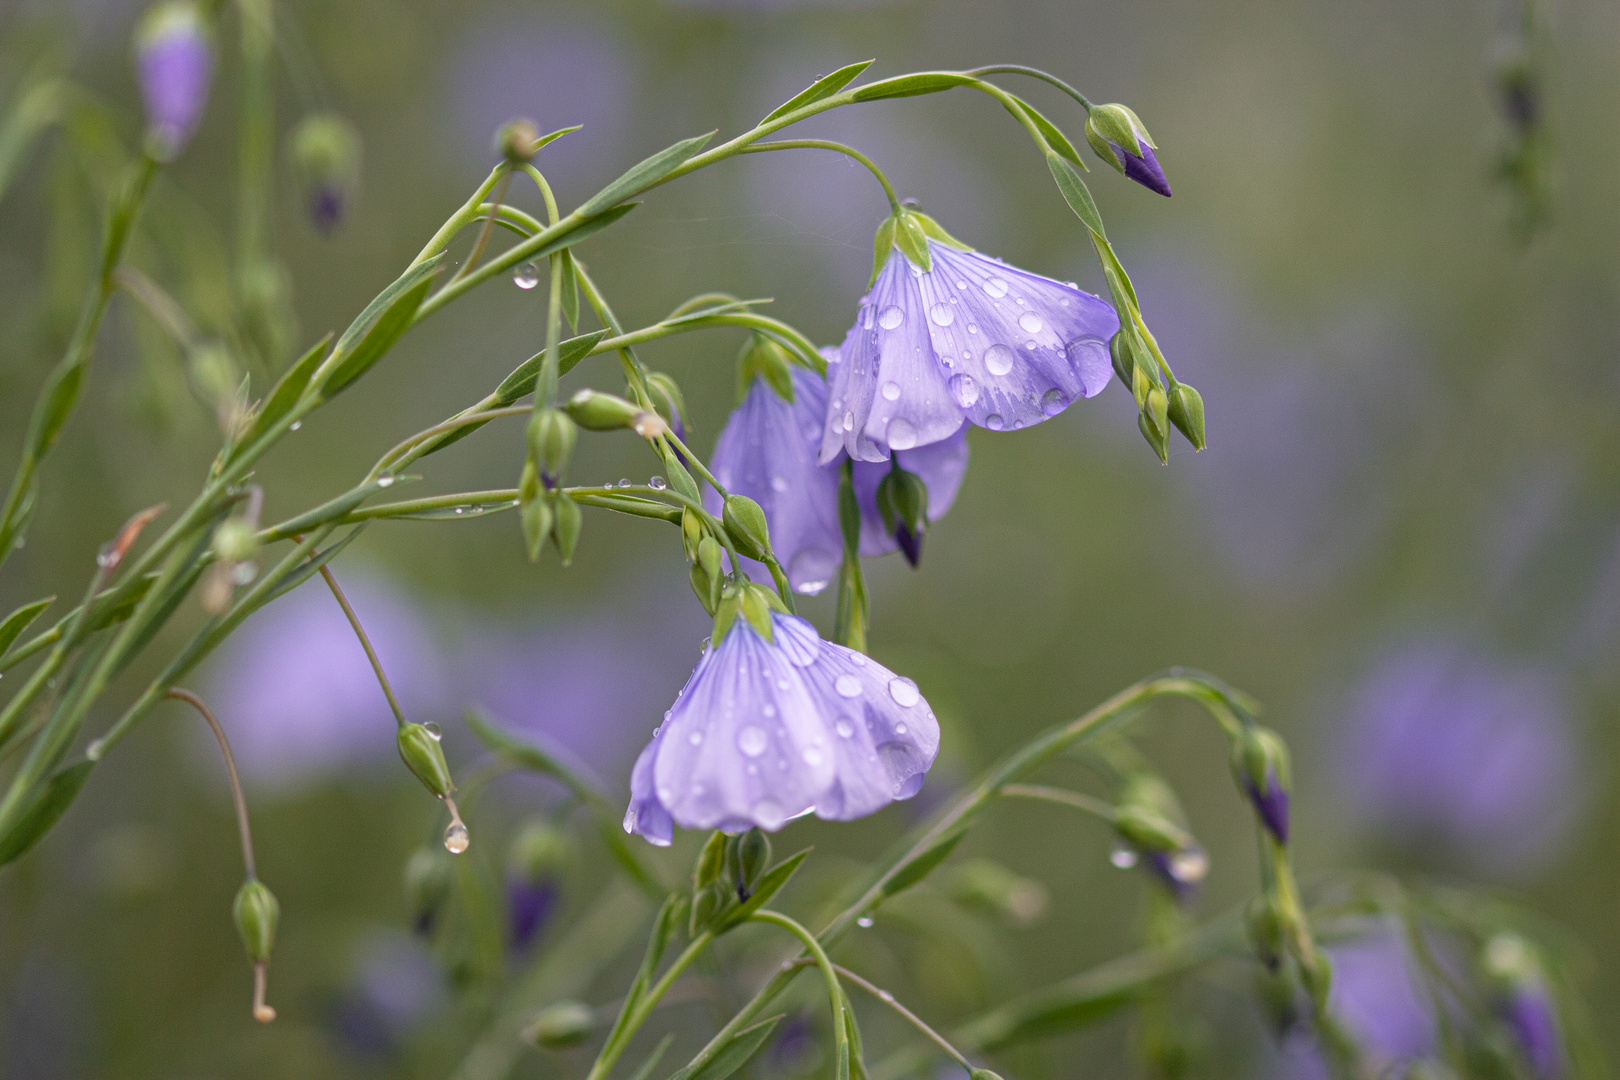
(516, 138)
(1524, 1002)
(1265, 931)
(745, 524)
(551, 436)
(569, 522)
(1156, 439)
(902, 500)
(1186, 411)
(1146, 820)
(567, 1023)
(537, 518)
(596, 411)
(256, 912)
(1157, 410)
(1119, 137)
(707, 905)
(326, 151)
(1119, 351)
(1260, 764)
(710, 861)
(174, 60)
(419, 748)
(428, 881)
(753, 856)
(668, 400)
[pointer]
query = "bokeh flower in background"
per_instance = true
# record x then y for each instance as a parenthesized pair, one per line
(1450, 750)
(298, 697)
(175, 63)
(393, 987)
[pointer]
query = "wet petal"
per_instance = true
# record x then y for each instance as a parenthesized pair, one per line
(647, 815)
(941, 466)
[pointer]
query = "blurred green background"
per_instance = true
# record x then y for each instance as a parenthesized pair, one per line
(1404, 537)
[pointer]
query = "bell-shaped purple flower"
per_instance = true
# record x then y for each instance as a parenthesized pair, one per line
(174, 59)
(770, 729)
(971, 338)
(767, 452)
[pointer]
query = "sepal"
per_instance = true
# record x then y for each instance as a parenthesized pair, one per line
(419, 748)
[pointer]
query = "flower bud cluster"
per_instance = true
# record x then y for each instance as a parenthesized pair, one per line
(1161, 400)
(1149, 820)
(726, 871)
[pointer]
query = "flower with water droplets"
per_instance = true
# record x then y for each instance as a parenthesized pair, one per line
(776, 723)
(768, 453)
(174, 62)
(1119, 137)
(946, 334)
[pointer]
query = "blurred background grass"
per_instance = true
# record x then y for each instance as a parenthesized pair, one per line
(1404, 537)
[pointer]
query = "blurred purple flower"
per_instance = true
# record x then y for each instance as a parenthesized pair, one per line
(529, 904)
(396, 986)
(767, 452)
(971, 339)
(1528, 1010)
(175, 62)
(1447, 743)
(765, 732)
(297, 695)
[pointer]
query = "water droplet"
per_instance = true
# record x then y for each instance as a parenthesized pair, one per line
(630, 820)
(461, 509)
(857, 659)
(752, 741)
(891, 318)
(768, 814)
(625, 482)
(1053, 402)
(901, 435)
(1123, 857)
(456, 839)
(849, 421)
(385, 481)
(812, 756)
(844, 728)
(779, 483)
(1189, 865)
(866, 323)
(1031, 322)
(891, 391)
(864, 922)
(995, 288)
(942, 314)
(964, 390)
(998, 359)
(994, 422)
(847, 686)
(657, 483)
(95, 750)
(781, 684)
(885, 995)
(973, 328)
(296, 424)
(696, 738)
(769, 710)
(526, 276)
(904, 692)
(434, 730)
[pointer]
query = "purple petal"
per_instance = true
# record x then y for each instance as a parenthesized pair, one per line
(768, 453)
(647, 815)
(1144, 168)
(941, 466)
(1272, 805)
(175, 65)
(529, 905)
(1529, 1012)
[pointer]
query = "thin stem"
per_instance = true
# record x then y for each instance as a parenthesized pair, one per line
(461, 218)
(365, 643)
(610, 1053)
(1062, 797)
(160, 305)
(489, 225)
(916, 1021)
(829, 974)
(196, 702)
(545, 189)
(838, 147)
(1035, 73)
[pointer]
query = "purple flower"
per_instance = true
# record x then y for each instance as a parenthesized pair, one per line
(1528, 1011)
(174, 61)
(529, 904)
(767, 730)
(972, 338)
(768, 453)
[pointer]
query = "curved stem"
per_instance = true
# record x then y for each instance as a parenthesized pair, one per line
(539, 179)
(454, 423)
(1062, 797)
(835, 993)
(489, 224)
(365, 643)
(196, 702)
(1034, 73)
(837, 147)
(461, 218)
(889, 1000)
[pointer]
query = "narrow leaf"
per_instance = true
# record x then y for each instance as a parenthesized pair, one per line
(285, 394)
(379, 326)
(768, 886)
(569, 353)
(570, 289)
(455, 513)
(923, 82)
(653, 1058)
(924, 864)
(333, 509)
(824, 87)
(735, 1054)
(644, 175)
(1052, 133)
(669, 917)
(49, 802)
(555, 135)
(20, 620)
(54, 409)
(1075, 192)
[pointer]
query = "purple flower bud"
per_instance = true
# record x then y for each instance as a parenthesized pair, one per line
(1119, 138)
(1179, 871)
(326, 149)
(175, 61)
(529, 905)
(1271, 803)
(1144, 168)
(769, 730)
(1529, 1012)
(969, 339)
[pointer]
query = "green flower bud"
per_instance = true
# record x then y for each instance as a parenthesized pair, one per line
(422, 754)
(1157, 409)
(1119, 350)
(539, 849)
(711, 860)
(1148, 830)
(567, 1023)
(233, 540)
(529, 486)
(516, 138)
(1260, 765)
(1508, 960)
(326, 152)
(753, 856)
(708, 903)
(429, 878)
(709, 555)
(1157, 440)
(679, 479)
(1115, 124)
(551, 437)
(668, 400)
(537, 521)
(256, 912)
(565, 533)
(1316, 972)
(596, 411)
(691, 534)
(705, 588)
(1187, 413)
(902, 499)
(745, 523)
(1144, 378)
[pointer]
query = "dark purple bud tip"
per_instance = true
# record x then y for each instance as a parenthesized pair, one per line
(1272, 806)
(1179, 871)
(1144, 168)
(910, 544)
(529, 906)
(326, 208)
(1529, 1012)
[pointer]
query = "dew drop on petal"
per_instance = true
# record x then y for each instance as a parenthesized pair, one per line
(1031, 322)
(526, 276)
(891, 318)
(994, 422)
(848, 686)
(696, 738)
(891, 391)
(942, 314)
(769, 710)
(1123, 857)
(901, 435)
(781, 684)
(844, 728)
(779, 483)
(973, 328)
(768, 814)
(812, 756)
(752, 740)
(998, 359)
(1053, 402)
(899, 729)
(849, 421)
(904, 692)
(857, 659)
(996, 288)
(964, 390)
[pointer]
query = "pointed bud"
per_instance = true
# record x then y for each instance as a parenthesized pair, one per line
(710, 861)
(419, 748)
(707, 905)
(679, 479)
(1118, 136)
(1157, 409)
(429, 877)
(1160, 444)
(551, 435)
(569, 522)
(1119, 351)
(326, 151)
(595, 411)
(1316, 972)
(567, 1023)
(1186, 411)
(691, 534)
(1260, 764)
(709, 554)
(256, 912)
(537, 520)
(753, 856)
(515, 140)
(902, 500)
(174, 59)
(745, 524)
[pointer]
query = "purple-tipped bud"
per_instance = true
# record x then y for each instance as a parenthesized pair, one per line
(174, 61)
(1271, 803)
(1118, 136)
(1260, 763)
(326, 150)
(1525, 1003)
(1144, 168)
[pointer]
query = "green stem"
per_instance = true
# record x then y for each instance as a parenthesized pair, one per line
(461, 218)
(1035, 73)
(838, 147)
(835, 993)
(256, 138)
(365, 643)
(1041, 792)
(915, 1021)
(243, 828)
(489, 224)
(610, 1053)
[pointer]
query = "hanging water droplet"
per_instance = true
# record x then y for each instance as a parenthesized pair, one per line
(844, 728)
(295, 425)
(857, 659)
(847, 686)
(526, 276)
(891, 317)
(942, 314)
(891, 391)
(1053, 402)
(994, 422)
(901, 435)
(434, 730)
(752, 741)
(461, 509)
(1189, 865)
(904, 692)
(864, 922)
(657, 483)
(456, 838)
(1123, 857)
(998, 359)
(996, 288)
(849, 421)
(1031, 322)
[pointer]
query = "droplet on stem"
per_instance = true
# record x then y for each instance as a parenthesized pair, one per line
(526, 276)
(456, 837)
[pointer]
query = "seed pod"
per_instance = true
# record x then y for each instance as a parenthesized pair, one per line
(256, 912)
(567, 1023)
(516, 138)
(595, 411)
(420, 749)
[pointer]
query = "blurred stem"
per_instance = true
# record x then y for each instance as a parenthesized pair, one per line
(256, 136)
(539, 179)
(240, 801)
(644, 1005)
(837, 147)
(163, 308)
(365, 643)
(915, 1021)
(840, 1022)
(489, 225)
(1062, 797)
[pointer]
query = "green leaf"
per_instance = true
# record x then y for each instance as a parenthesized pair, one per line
(570, 289)
(123, 600)
(923, 82)
(54, 409)
(1052, 133)
(378, 327)
(644, 175)
(670, 916)
(770, 883)
(824, 87)
(912, 241)
(285, 394)
(924, 864)
(44, 806)
(555, 135)
(734, 1054)
(455, 513)
(710, 312)
(19, 620)
(1119, 282)
(569, 353)
(1075, 192)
